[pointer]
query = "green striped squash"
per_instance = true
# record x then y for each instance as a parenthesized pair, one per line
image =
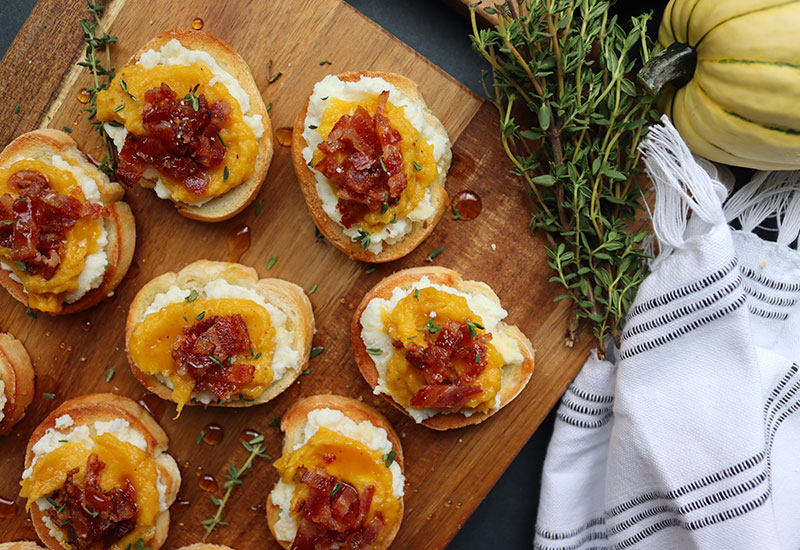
(731, 78)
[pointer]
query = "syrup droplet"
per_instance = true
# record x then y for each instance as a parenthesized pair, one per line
(133, 271)
(284, 136)
(238, 242)
(248, 435)
(197, 23)
(86, 326)
(180, 505)
(198, 471)
(258, 509)
(448, 503)
(84, 96)
(468, 204)
(48, 333)
(208, 484)
(8, 508)
(459, 505)
(212, 434)
(429, 516)
(62, 345)
(153, 404)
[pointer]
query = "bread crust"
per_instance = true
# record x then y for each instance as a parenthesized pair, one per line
(293, 424)
(288, 297)
(20, 545)
(90, 408)
(202, 546)
(232, 202)
(119, 225)
(331, 229)
(16, 372)
(514, 379)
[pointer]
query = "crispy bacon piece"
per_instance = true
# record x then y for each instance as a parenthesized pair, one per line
(445, 387)
(95, 517)
(206, 352)
(335, 521)
(34, 225)
(451, 397)
(371, 173)
(179, 141)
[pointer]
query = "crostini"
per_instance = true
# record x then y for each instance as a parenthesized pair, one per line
(20, 545)
(97, 475)
(203, 546)
(66, 237)
(341, 477)
(16, 382)
(371, 159)
(437, 348)
(216, 334)
(188, 121)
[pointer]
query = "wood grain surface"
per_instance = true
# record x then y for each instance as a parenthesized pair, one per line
(448, 473)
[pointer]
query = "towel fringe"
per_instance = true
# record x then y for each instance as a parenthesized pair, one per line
(682, 186)
(768, 195)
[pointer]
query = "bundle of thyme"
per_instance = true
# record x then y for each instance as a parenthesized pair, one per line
(565, 66)
(97, 40)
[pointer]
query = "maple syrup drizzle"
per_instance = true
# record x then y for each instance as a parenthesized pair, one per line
(86, 326)
(284, 136)
(84, 96)
(180, 505)
(8, 508)
(197, 23)
(238, 242)
(212, 434)
(248, 435)
(208, 484)
(468, 204)
(198, 471)
(258, 509)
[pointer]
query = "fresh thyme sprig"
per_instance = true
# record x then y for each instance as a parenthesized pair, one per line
(233, 478)
(565, 66)
(98, 39)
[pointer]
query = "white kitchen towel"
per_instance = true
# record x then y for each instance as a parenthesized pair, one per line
(689, 437)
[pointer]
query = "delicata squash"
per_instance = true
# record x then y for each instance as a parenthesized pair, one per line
(437, 348)
(730, 79)
(97, 476)
(215, 334)
(341, 477)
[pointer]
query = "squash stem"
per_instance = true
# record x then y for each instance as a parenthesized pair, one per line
(675, 65)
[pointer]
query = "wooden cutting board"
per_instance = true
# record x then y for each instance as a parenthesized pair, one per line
(448, 473)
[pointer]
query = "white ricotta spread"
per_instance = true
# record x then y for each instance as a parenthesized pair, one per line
(284, 357)
(365, 432)
(3, 398)
(94, 270)
(55, 532)
(331, 86)
(375, 334)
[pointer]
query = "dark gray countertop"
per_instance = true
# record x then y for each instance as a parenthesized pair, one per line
(505, 519)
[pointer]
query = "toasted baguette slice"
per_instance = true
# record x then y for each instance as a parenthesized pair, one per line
(42, 145)
(286, 296)
(203, 546)
(88, 409)
(16, 372)
(293, 426)
(228, 204)
(333, 230)
(514, 377)
(20, 545)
